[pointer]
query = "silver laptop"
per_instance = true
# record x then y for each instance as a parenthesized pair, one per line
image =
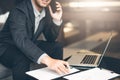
(88, 59)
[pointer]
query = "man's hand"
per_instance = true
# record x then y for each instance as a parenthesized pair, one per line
(59, 66)
(58, 14)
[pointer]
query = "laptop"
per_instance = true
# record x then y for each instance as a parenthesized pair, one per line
(88, 59)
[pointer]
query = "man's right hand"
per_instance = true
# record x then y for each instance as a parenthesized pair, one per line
(59, 66)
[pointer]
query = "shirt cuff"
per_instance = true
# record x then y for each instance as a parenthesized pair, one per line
(58, 23)
(40, 58)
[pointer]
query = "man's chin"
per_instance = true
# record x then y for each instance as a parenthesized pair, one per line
(42, 6)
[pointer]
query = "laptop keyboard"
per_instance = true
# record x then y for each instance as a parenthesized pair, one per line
(89, 59)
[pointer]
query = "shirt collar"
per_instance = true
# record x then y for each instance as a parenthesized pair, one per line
(37, 13)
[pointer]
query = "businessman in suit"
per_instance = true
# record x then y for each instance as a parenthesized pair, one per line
(19, 44)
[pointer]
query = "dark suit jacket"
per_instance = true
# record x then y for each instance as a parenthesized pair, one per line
(19, 31)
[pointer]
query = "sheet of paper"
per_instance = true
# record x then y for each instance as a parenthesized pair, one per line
(93, 74)
(46, 74)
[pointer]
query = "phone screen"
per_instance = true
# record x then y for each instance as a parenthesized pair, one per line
(53, 5)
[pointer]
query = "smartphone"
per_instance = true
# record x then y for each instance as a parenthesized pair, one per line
(53, 5)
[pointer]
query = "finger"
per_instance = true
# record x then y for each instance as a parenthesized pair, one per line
(50, 9)
(67, 64)
(58, 67)
(58, 4)
(67, 67)
(59, 9)
(58, 71)
(63, 69)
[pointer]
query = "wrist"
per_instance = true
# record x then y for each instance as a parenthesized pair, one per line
(58, 22)
(46, 60)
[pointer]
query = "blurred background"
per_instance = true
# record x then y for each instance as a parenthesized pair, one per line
(86, 24)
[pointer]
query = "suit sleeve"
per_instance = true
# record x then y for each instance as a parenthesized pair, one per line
(51, 30)
(17, 24)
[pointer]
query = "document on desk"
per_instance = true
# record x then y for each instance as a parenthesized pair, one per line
(46, 73)
(93, 74)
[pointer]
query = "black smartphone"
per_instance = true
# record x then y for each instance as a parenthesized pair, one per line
(53, 5)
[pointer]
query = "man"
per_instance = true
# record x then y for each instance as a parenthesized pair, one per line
(18, 39)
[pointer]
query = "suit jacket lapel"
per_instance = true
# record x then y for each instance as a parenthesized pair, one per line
(40, 28)
(31, 14)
